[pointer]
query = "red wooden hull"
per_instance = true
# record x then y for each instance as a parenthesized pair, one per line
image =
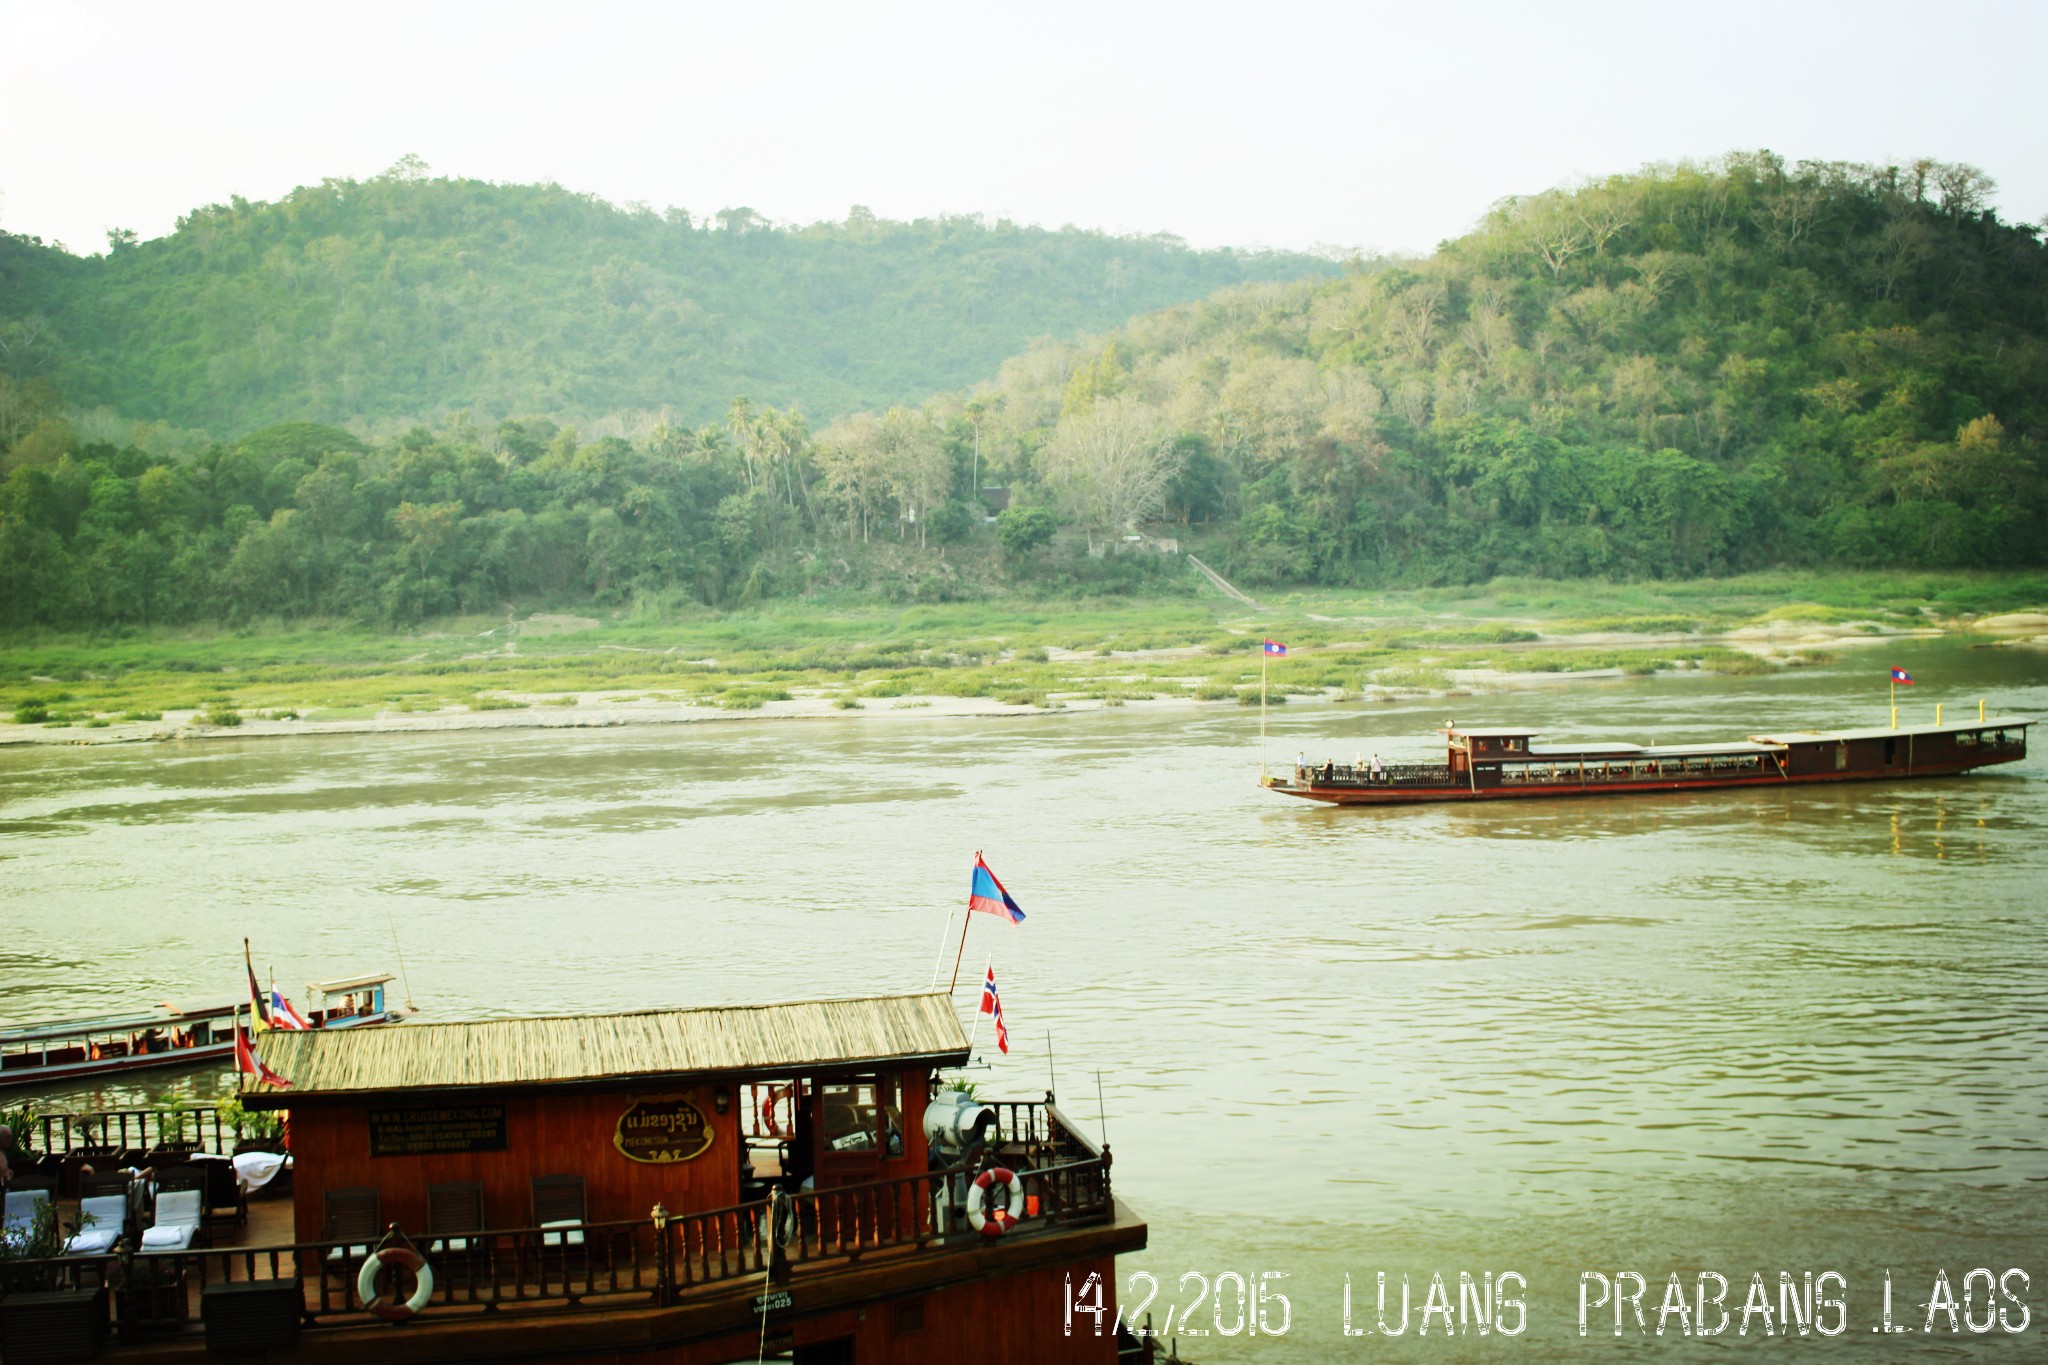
(1409, 796)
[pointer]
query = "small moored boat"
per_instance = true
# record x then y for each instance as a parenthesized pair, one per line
(1502, 763)
(70, 1049)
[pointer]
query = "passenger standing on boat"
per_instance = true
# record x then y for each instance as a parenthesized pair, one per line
(1379, 773)
(1301, 764)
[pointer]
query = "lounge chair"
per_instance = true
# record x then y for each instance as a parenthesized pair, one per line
(102, 1218)
(18, 1224)
(558, 1203)
(355, 1219)
(177, 1218)
(455, 1217)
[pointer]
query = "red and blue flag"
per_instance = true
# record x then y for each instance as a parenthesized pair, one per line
(282, 1015)
(1900, 675)
(1275, 647)
(991, 1003)
(986, 894)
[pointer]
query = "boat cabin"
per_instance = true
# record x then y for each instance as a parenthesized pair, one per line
(47, 1054)
(689, 1109)
(685, 1186)
(351, 1001)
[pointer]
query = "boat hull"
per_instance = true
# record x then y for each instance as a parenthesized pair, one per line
(1368, 795)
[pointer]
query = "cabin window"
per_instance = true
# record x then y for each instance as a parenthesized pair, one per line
(856, 1116)
(1891, 751)
(1967, 739)
(1841, 758)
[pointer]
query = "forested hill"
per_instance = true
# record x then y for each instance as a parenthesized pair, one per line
(1683, 371)
(405, 296)
(1686, 371)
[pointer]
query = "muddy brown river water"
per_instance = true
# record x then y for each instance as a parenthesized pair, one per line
(1733, 1033)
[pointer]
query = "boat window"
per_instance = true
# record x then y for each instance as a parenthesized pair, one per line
(848, 1112)
(1967, 739)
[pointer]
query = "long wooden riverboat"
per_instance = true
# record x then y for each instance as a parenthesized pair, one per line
(66, 1050)
(1504, 763)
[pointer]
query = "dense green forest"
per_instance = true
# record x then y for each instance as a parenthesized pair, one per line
(1690, 370)
(410, 297)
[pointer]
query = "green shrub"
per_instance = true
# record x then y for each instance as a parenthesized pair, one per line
(31, 711)
(142, 715)
(221, 716)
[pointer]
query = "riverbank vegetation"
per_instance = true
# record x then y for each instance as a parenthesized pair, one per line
(858, 655)
(1693, 371)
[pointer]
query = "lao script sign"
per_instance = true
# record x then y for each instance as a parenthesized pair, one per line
(772, 1303)
(662, 1129)
(430, 1132)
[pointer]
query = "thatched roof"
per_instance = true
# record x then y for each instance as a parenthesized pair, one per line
(739, 1041)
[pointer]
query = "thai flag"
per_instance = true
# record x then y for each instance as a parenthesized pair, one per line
(1900, 675)
(249, 1064)
(991, 1003)
(282, 1015)
(1275, 647)
(986, 894)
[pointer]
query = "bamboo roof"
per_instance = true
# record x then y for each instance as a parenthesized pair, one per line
(799, 1038)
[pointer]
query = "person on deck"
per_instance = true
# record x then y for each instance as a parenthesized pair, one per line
(1379, 772)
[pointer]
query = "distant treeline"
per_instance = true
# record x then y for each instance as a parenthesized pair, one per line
(409, 297)
(1692, 370)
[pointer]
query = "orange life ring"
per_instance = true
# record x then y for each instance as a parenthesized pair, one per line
(399, 1258)
(994, 1222)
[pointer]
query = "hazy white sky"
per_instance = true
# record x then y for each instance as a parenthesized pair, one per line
(1359, 124)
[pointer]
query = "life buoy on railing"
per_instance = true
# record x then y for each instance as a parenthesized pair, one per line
(994, 1220)
(399, 1258)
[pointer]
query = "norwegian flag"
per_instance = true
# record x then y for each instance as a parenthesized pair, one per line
(991, 1003)
(249, 1064)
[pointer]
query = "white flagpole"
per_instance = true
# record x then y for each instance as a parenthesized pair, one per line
(1262, 710)
(975, 1030)
(939, 963)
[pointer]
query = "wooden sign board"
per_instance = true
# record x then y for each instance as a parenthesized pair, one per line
(432, 1132)
(663, 1129)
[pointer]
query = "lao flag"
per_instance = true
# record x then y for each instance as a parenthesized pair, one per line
(986, 894)
(1275, 647)
(1900, 675)
(282, 1015)
(249, 1064)
(991, 1003)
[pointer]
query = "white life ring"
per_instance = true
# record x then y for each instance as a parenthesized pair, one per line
(994, 1222)
(402, 1258)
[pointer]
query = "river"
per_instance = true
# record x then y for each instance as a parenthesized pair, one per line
(1731, 1032)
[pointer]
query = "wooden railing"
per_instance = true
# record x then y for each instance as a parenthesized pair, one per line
(110, 1132)
(652, 1261)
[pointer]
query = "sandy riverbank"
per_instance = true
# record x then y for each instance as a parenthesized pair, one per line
(1781, 644)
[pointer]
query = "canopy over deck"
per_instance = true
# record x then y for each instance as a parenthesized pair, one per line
(1887, 732)
(734, 1042)
(350, 983)
(164, 1016)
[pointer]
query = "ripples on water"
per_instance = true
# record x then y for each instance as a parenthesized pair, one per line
(1728, 1029)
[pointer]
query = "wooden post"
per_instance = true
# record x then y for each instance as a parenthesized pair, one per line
(1262, 713)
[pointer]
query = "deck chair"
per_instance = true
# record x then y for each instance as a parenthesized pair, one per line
(18, 1223)
(355, 1219)
(102, 1218)
(558, 1203)
(455, 1218)
(178, 1213)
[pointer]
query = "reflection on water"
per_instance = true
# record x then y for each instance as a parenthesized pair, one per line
(1744, 1029)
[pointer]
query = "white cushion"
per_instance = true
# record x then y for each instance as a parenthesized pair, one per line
(168, 1236)
(92, 1242)
(573, 1237)
(447, 1244)
(349, 1253)
(178, 1206)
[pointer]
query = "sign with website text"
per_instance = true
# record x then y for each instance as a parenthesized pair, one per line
(430, 1132)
